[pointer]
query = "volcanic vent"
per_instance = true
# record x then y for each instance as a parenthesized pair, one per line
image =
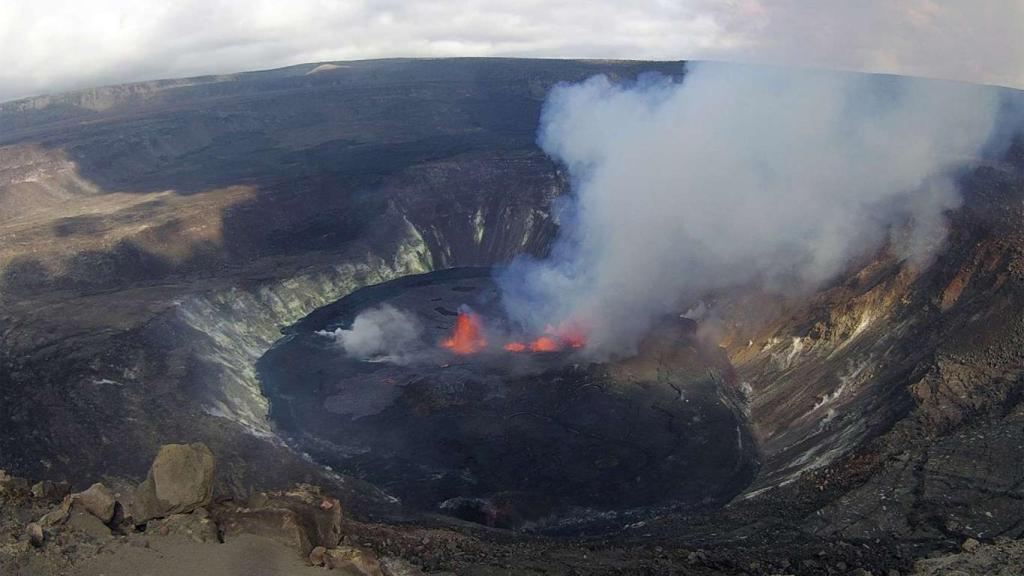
(464, 418)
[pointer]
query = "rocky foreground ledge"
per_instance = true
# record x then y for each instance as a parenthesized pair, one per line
(169, 520)
(172, 523)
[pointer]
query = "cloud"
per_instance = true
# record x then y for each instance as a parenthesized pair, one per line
(55, 45)
(737, 175)
(968, 41)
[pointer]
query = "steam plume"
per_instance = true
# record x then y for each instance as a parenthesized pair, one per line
(737, 175)
(384, 333)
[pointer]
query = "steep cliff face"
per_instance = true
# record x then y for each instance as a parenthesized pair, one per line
(238, 325)
(460, 228)
(901, 382)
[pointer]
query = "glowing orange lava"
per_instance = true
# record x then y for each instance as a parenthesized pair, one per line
(565, 335)
(467, 337)
(545, 344)
(571, 334)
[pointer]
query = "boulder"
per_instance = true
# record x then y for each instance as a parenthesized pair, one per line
(97, 500)
(179, 481)
(35, 534)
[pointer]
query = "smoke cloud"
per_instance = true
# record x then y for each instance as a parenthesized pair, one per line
(737, 175)
(385, 333)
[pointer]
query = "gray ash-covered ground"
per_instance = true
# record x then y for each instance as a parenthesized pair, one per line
(534, 440)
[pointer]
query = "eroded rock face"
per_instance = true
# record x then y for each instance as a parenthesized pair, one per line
(180, 480)
(301, 518)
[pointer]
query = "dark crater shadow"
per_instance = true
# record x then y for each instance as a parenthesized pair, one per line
(546, 442)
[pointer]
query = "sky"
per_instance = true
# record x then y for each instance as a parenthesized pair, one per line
(49, 46)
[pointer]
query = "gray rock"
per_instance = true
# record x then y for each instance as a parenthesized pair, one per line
(179, 481)
(97, 500)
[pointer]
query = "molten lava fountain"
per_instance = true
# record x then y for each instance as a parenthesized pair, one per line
(467, 337)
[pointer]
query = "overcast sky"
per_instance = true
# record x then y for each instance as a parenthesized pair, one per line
(55, 45)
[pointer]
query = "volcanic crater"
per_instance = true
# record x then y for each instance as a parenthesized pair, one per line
(539, 439)
(167, 243)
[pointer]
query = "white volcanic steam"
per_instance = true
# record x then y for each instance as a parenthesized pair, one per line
(737, 175)
(385, 333)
